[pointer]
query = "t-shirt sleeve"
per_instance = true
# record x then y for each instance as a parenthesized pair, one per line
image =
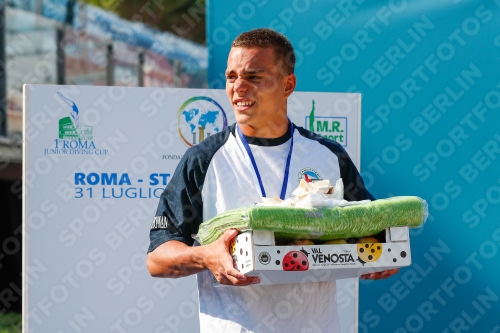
(354, 186)
(180, 207)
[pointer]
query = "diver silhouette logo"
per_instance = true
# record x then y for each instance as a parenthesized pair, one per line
(70, 127)
(74, 110)
(333, 128)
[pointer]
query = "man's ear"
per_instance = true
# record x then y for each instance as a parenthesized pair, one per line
(291, 82)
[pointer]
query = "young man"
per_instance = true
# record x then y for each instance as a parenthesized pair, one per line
(263, 154)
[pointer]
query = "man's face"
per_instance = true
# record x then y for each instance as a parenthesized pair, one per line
(257, 90)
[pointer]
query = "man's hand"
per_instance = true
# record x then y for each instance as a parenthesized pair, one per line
(380, 275)
(219, 261)
(174, 259)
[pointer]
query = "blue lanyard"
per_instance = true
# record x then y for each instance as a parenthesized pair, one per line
(254, 164)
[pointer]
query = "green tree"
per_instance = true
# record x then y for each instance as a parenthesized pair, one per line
(185, 18)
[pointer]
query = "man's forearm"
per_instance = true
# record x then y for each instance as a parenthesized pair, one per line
(174, 259)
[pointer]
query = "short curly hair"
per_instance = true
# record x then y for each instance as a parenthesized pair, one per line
(264, 38)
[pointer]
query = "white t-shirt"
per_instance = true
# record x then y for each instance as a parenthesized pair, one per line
(222, 170)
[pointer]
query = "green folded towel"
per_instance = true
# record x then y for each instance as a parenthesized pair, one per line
(323, 223)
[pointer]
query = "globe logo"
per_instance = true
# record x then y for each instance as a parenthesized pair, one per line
(198, 118)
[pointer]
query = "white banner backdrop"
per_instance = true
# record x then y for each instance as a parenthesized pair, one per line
(96, 159)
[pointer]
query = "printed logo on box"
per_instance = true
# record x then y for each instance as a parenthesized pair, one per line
(333, 128)
(74, 138)
(264, 258)
(333, 259)
(198, 118)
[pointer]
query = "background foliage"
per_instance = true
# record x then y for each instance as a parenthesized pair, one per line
(185, 18)
(10, 323)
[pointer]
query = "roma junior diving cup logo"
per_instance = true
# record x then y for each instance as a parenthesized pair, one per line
(74, 138)
(70, 127)
(198, 118)
(333, 128)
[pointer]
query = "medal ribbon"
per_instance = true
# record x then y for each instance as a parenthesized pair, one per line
(256, 169)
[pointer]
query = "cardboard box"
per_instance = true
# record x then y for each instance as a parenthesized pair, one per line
(255, 254)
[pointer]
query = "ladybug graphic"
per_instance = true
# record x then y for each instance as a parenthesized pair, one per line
(296, 261)
(369, 252)
(232, 246)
